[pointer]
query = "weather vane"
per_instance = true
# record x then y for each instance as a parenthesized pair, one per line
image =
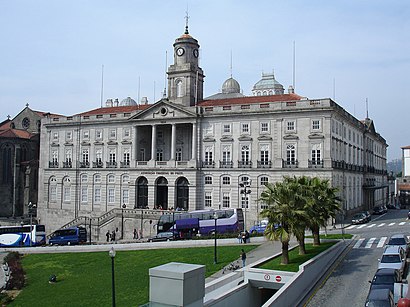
(186, 21)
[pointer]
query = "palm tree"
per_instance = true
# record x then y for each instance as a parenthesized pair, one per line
(282, 209)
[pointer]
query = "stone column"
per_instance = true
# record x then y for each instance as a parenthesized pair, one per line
(154, 142)
(173, 141)
(194, 134)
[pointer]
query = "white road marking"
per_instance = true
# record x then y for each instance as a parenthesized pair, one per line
(351, 227)
(369, 243)
(359, 242)
(402, 223)
(381, 242)
(361, 226)
(372, 225)
(391, 224)
(382, 224)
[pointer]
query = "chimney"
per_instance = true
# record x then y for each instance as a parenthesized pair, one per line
(144, 100)
(108, 104)
(291, 90)
(116, 103)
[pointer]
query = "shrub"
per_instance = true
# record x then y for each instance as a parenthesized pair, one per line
(16, 280)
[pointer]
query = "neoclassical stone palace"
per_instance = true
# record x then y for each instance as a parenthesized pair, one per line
(190, 152)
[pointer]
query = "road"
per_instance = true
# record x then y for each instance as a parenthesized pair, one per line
(348, 284)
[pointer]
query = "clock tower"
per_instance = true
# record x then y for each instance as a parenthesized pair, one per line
(185, 77)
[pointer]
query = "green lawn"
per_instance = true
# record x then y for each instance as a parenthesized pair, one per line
(84, 279)
(295, 260)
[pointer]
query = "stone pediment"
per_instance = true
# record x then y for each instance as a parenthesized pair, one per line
(291, 137)
(164, 110)
(226, 139)
(208, 139)
(264, 138)
(316, 136)
(245, 138)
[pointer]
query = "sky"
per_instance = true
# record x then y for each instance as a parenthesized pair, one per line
(52, 53)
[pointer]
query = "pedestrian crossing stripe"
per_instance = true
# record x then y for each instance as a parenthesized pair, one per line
(374, 225)
(381, 242)
(382, 224)
(402, 223)
(358, 243)
(370, 242)
(391, 224)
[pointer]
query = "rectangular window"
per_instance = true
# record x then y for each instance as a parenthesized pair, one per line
(208, 180)
(125, 196)
(126, 157)
(226, 154)
(68, 136)
(86, 155)
(208, 199)
(98, 155)
(160, 155)
(209, 129)
(98, 134)
(55, 136)
(113, 134)
(245, 153)
(245, 128)
(142, 154)
(208, 155)
(316, 124)
(264, 127)
(226, 129)
(160, 134)
(226, 180)
(97, 195)
(111, 157)
(127, 132)
(290, 126)
(291, 153)
(86, 134)
(53, 193)
(67, 194)
(111, 195)
(84, 194)
(178, 154)
(226, 200)
(264, 153)
(54, 155)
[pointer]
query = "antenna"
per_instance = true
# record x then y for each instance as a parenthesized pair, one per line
(102, 85)
(139, 88)
(186, 20)
(367, 108)
(165, 76)
(334, 88)
(294, 65)
(154, 91)
(231, 64)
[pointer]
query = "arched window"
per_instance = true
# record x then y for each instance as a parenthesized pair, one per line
(179, 88)
(52, 190)
(141, 193)
(66, 189)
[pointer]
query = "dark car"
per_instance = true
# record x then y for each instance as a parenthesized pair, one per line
(368, 215)
(378, 210)
(385, 279)
(380, 298)
(164, 236)
(359, 218)
(391, 206)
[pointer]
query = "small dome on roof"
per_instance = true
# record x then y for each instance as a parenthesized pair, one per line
(231, 86)
(268, 86)
(128, 102)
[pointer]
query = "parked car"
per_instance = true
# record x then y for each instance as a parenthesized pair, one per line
(259, 228)
(391, 206)
(164, 236)
(393, 257)
(380, 297)
(400, 240)
(385, 279)
(368, 216)
(378, 210)
(359, 218)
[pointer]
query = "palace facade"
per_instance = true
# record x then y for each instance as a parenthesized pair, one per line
(190, 152)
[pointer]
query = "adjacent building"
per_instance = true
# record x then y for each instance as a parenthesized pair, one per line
(190, 152)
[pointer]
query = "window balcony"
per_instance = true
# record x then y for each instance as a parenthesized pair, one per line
(111, 164)
(97, 164)
(264, 164)
(53, 164)
(245, 164)
(290, 163)
(84, 164)
(125, 164)
(225, 164)
(315, 163)
(67, 164)
(208, 164)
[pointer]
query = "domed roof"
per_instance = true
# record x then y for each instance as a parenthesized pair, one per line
(128, 102)
(267, 82)
(231, 86)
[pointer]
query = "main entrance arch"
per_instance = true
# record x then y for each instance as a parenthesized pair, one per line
(182, 193)
(161, 193)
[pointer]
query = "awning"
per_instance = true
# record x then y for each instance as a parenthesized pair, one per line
(187, 223)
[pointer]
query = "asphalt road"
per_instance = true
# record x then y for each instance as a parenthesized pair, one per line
(348, 284)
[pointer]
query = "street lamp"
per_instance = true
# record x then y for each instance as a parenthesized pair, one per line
(122, 220)
(112, 255)
(245, 190)
(31, 206)
(215, 218)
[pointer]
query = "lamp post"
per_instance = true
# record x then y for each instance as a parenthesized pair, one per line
(245, 190)
(215, 257)
(31, 206)
(122, 220)
(112, 255)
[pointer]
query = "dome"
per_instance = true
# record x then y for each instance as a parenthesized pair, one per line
(268, 84)
(128, 102)
(231, 86)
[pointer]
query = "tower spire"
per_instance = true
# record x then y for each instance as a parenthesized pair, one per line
(186, 21)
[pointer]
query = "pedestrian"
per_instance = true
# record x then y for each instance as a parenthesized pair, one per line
(239, 237)
(243, 257)
(108, 235)
(243, 237)
(135, 234)
(247, 237)
(113, 236)
(140, 234)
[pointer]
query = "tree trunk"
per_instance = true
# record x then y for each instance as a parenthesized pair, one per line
(285, 252)
(315, 232)
(301, 241)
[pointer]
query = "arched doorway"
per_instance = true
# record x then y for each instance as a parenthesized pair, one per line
(161, 193)
(141, 201)
(182, 194)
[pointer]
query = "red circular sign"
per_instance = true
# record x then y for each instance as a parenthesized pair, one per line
(267, 277)
(278, 278)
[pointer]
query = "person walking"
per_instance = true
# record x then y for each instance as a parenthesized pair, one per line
(243, 257)
(135, 234)
(113, 236)
(108, 235)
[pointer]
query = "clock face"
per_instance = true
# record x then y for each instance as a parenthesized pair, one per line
(196, 53)
(26, 122)
(180, 51)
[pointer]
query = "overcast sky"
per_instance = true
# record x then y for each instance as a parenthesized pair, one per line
(52, 52)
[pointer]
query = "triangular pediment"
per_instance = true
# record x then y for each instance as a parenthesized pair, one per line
(316, 136)
(291, 137)
(165, 110)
